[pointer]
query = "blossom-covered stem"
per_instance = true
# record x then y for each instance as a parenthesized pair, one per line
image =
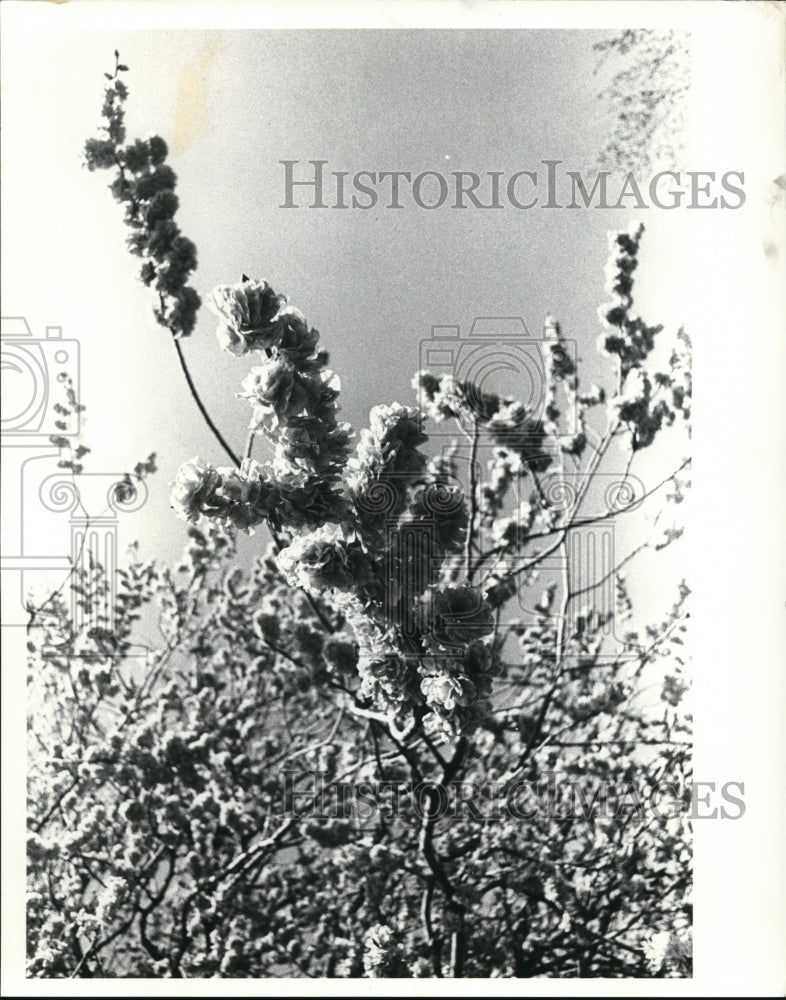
(200, 405)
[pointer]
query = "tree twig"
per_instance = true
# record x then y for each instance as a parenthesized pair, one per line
(200, 405)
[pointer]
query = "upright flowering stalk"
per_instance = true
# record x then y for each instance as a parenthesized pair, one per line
(145, 185)
(637, 405)
(629, 339)
(561, 374)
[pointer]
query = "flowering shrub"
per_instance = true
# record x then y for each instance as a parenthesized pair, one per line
(212, 809)
(401, 743)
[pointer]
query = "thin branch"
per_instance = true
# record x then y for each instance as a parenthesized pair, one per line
(200, 405)
(473, 502)
(250, 442)
(584, 522)
(563, 614)
(433, 939)
(611, 573)
(325, 742)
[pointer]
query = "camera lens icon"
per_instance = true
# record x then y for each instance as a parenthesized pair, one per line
(32, 369)
(499, 357)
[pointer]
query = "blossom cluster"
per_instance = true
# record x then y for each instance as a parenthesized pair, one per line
(508, 421)
(645, 401)
(419, 548)
(628, 337)
(386, 677)
(387, 461)
(456, 674)
(145, 184)
(448, 680)
(326, 559)
(383, 955)
(636, 407)
(376, 548)
(293, 398)
(237, 498)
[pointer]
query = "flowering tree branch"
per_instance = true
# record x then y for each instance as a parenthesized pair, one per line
(145, 184)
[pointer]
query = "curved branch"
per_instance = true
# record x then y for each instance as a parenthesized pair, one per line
(473, 501)
(201, 406)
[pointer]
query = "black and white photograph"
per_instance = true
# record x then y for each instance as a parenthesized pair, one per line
(377, 602)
